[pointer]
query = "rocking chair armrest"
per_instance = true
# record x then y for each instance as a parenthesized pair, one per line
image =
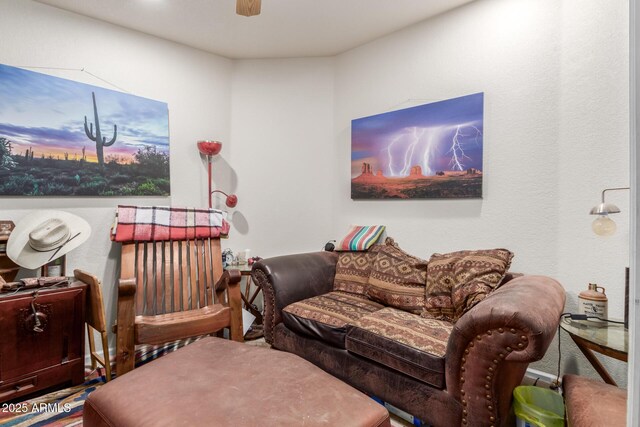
(229, 277)
(126, 287)
(125, 326)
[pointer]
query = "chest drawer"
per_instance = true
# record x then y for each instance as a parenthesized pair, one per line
(42, 340)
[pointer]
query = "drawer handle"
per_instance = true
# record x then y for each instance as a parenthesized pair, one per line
(18, 387)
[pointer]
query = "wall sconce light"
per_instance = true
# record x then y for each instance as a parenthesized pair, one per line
(210, 149)
(603, 225)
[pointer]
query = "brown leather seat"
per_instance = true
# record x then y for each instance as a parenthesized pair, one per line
(403, 341)
(593, 403)
(216, 382)
(328, 317)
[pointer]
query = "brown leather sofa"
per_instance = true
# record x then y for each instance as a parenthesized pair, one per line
(484, 358)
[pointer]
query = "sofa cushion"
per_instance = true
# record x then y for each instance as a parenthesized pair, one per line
(327, 317)
(403, 341)
(397, 279)
(457, 281)
(353, 270)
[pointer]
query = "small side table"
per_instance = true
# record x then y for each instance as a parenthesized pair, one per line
(610, 339)
(249, 295)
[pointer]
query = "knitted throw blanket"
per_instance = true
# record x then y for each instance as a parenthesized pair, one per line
(158, 223)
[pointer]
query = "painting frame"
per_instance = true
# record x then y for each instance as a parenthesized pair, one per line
(429, 151)
(60, 137)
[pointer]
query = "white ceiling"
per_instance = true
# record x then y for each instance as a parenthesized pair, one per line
(285, 28)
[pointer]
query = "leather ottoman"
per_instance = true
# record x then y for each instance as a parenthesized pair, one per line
(592, 403)
(216, 382)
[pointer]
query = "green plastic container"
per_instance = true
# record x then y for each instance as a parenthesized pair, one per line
(537, 406)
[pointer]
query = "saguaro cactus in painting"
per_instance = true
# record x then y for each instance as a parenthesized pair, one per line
(101, 141)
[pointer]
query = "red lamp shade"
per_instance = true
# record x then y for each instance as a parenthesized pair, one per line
(232, 200)
(209, 148)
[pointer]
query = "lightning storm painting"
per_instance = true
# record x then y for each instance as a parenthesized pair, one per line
(429, 151)
(59, 137)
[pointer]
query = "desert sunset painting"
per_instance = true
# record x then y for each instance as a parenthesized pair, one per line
(428, 151)
(59, 137)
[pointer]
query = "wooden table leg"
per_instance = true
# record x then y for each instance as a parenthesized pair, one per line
(256, 330)
(253, 297)
(251, 308)
(248, 301)
(583, 346)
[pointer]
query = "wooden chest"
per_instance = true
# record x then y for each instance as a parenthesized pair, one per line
(36, 355)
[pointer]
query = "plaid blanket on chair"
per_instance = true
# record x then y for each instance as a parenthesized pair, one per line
(157, 223)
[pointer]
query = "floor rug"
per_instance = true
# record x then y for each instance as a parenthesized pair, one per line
(56, 409)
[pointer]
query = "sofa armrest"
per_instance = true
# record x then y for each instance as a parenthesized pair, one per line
(290, 278)
(492, 344)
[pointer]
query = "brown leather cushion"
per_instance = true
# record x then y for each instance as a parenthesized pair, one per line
(216, 382)
(403, 341)
(457, 281)
(353, 270)
(398, 279)
(593, 403)
(327, 317)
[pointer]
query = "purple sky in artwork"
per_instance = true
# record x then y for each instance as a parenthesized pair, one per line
(441, 136)
(46, 114)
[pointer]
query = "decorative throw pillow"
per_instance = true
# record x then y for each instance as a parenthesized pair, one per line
(360, 237)
(353, 270)
(397, 279)
(440, 281)
(457, 281)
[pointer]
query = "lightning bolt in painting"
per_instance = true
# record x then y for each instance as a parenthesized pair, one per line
(429, 151)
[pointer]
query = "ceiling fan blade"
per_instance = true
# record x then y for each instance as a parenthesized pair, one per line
(248, 7)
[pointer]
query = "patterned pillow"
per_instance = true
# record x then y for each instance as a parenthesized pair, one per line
(360, 237)
(457, 281)
(397, 280)
(353, 269)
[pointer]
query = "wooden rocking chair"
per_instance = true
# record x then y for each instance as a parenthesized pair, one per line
(166, 293)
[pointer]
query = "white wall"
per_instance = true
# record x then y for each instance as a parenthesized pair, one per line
(556, 133)
(196, 85)
(281, 128)
(458, 53)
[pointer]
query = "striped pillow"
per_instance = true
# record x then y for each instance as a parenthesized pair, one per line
(360, 237)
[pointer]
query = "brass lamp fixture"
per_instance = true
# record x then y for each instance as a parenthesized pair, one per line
(248, 7)
(603, 225)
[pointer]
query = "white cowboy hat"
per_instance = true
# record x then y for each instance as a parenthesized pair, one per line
(43, 236)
